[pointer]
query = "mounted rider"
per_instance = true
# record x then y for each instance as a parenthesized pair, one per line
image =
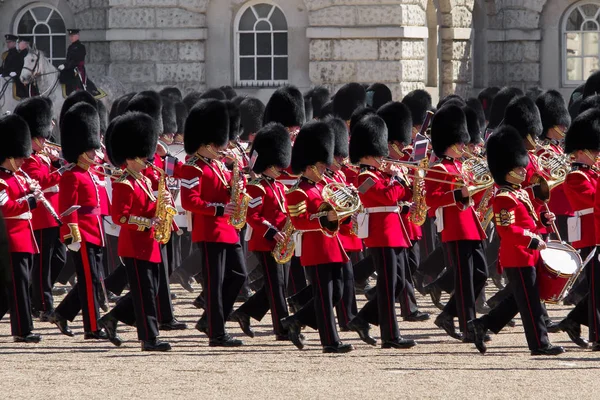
(72, 72)
(12, 64)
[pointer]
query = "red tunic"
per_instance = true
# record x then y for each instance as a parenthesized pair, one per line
(16, 210)
(516, 222)
(350, 241)
(459, 219)
(134, 206)
(205, 191)
(266, 212)
(534, 169)
(386, 228)
(580, 189)
(39, 168)
(79, 187)
(303, 201)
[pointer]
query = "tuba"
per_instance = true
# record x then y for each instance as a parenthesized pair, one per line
(238, 197)
(164, 209)
(284, 251)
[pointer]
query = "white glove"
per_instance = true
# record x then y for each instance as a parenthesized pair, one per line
(0, 75)
(61, 67)
(13, 74)
(74, 246)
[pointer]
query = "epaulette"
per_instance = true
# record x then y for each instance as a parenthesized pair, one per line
(256, 183)
(191, 162)
(506, 193)
(296, 188)
(367, 172)
(4, 55)
(123, 179)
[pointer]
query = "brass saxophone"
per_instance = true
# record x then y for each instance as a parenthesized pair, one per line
(164, 209)
(238, 197)
(420, 215)
(284, 250)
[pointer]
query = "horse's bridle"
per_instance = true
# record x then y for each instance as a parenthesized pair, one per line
(34, 76)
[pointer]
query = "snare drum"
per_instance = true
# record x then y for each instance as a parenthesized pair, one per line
(559, 263)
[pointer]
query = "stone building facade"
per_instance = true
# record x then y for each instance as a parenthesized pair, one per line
(445, 46)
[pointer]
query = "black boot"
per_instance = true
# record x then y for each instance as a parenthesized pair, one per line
(155, 345)
(29, 338)
(61, 323)
(109, 324)
(398, 343)
(549, 350)
(225, 341)
(244, 321)
(446, 322)
(360, 326)
(173, 325)
(293, 327)
(573, 329)
(479, 331)
(338, 348)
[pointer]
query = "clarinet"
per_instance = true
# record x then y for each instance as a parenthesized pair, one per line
(44, 201)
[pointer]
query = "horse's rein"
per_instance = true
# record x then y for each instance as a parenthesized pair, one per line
(35, 75)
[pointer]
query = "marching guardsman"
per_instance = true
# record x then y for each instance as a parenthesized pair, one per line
(418, 102)
(378, 94)
(82, 231)
(382, 228)
(582, 142)
(271, 151)
(456, 220)
(319, 96)
(516, 222)
(18, 197)
(12, 61)
(43, 167)
(206, 187)
(319, 246)
(251, 118)
(131, 141)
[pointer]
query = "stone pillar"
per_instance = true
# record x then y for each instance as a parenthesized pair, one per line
(361, 41)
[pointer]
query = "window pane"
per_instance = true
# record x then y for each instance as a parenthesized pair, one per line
(263, 66)
(589, 10)
(590, 43)
(280, 44)
(575, 20)
(57, 25)
(263, 26)
(590, 64)
(573, 44)
(574, 66)
(26, 24)
(278, 20)
(246, 44)
(247, 21)
(41, 29)
(263, 10)
(247, 69)
(281, 68)
(263, 43)
(43, 43)
(59, 47)
(41, 13)
(590, 26)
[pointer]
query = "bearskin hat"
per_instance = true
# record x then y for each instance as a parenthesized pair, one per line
(553, 110)
(181, 113)
(452, 98)
(169, 116)
(347, 99)
(340, 133)
(326, 110)
(234, 120)
(475, 104)
(398, 120)
(308, 108)
(473, 125)
(80, 131)
(15, 136)
(588, 103)
(216, 94)
(37, 112)
(523, 115)
(74, 98)
(574, 109)
(148, 102)
(207, 123)
(102, 116)
(378, 94)
(252, 111)
(119, 106)
(418, 102)
(448, 127)
(172, 93)
(191, 99)
(592, 85)
(369, 139)
(132, 135)
(285, 106)
(584, 132)
(319, 96)
(534, 92)
(229, 92)
(486, 97)
(358, 114)
(314, 143)
(272, 146)
(505, 151)
(501, 100)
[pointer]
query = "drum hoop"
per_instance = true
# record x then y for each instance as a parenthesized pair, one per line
(556, 245)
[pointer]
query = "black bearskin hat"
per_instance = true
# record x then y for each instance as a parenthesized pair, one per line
(418, 102)
(169, 116)
(486, 98)
(369, 139)
(378, 94)
(37, 112)
(308, 109)
(252, 111)
(475, 104)
(358, 114)
(272, 146)
(119, 106)
(285, 106)
(132, 135)
(102, 115)
(228, 91)
(473, 125)
(234, 120)
(172, 93)
(523, 115)
(207, 123)
(398, 120)
(216, 94)
(347, 99)
(448, 127)
(505, 151)
(319, 96)
(592, 85)
(553, 110)
(501, 100)
(340, 133)
(80, 131)
(313, 144)
(584, 133)
(74, 98)
(589, 102)
(15, 136)
(574, 109)
(148, 102)
(191, 99)
(181, 113)
(326, 110)
(451, 98)
(534, 92)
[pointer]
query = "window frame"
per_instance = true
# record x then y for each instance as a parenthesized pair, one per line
(238, 82)
(563, 41)
(50, 35)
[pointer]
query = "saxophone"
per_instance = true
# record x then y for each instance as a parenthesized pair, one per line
(419, 216)
(284, 250)
(238, 197)
(164, 210)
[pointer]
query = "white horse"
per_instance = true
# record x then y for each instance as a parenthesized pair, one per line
(38, 68)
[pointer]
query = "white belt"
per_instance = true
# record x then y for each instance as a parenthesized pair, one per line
(586, 211)
(288, 182)
(382, 209)
(297, 235)
(26, 215)
(51, 189)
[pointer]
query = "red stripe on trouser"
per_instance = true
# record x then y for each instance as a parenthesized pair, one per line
(15, 296)
(137, 274)
(462, 293)
(90, 290)
(529, 307)
(323, 304)
(595, 307)
(41, 257)
(273, 307)
(207, 283)
(391, 305)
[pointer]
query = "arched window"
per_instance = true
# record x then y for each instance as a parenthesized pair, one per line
(261, 45)
(46, 25)
(581, 44)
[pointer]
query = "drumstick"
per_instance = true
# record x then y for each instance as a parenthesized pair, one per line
(553, 224)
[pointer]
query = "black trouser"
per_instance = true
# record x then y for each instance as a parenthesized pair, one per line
(163, 296)
(587, 311)
(407, 298)
(271, 295)
(224, 273)
(112, 259)
(381, 310)
(432, 266)
(51, 258)
(363, 269)
(117, 281)
(21, 323)
(346, 309)
(526, 301)
(84, 295)
(191, 266)
(297, 277)
(467, 259)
